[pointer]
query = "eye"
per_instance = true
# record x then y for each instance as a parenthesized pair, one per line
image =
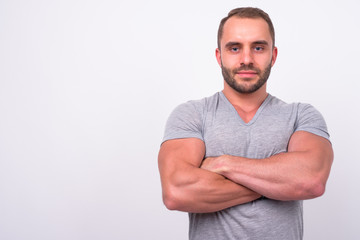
(258, 48)
(234, 49)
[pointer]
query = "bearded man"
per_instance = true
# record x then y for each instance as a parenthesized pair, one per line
(241, 162)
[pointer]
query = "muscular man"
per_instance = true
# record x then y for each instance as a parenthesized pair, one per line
(241, 161)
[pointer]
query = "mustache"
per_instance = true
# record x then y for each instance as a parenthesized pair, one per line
(246, 68)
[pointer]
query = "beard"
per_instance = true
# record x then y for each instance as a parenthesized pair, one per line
(229, 75)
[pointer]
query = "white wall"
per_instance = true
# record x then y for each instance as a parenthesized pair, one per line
(86, 87)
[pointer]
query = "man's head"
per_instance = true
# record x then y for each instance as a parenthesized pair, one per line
(246, 50)
(247, 12)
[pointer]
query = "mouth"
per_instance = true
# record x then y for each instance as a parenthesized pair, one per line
(247, 74)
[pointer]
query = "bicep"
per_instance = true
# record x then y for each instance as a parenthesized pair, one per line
(179, 173)
(317, 149)
(306, 141)
(178, 158)
(187, 187)
(189, 151)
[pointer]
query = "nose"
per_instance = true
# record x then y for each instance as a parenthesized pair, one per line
(246, 57)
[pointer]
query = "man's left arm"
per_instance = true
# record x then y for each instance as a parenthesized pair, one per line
(301, 173)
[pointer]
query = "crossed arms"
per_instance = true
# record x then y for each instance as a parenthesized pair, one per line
(191, 183)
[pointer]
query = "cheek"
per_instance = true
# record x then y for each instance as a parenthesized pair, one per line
(230, 61)
(265, 61)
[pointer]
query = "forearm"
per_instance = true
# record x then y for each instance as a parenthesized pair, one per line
(202, 191)
(279, 177)
(285, 176)
(187, 187)
(300, 173)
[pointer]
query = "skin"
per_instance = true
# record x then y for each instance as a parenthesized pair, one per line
(191, 183)
(186, 187)
(246, 42)
(301, 173)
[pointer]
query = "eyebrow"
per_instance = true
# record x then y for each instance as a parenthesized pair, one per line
(231, 44)
(262, 42)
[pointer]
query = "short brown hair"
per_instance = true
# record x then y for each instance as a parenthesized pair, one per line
(247, 12)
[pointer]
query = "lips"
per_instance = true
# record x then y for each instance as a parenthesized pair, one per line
(247, 74)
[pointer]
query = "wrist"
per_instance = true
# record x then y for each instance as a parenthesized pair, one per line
(223, 167)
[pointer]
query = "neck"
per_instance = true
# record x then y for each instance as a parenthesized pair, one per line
(245, 104)
(245, 101)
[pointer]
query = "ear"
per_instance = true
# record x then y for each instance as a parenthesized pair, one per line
(274, 56)
(218, 56)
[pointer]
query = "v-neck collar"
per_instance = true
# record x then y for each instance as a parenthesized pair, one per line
(258, 112)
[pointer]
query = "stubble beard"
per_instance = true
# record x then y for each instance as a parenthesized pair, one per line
(229, 74)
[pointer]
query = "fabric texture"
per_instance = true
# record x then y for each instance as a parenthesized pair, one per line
(216, 122)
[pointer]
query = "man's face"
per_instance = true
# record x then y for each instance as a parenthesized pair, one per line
(246, 54)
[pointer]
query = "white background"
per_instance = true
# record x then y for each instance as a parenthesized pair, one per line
(86, 88)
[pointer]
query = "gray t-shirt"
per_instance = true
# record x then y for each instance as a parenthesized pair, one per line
(216, 122)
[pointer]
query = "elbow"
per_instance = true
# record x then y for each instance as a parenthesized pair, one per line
(312, 189)
(170, 203)
(316, 190)
(172, 200)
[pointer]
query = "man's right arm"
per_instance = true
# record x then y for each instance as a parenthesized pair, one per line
(188, 188)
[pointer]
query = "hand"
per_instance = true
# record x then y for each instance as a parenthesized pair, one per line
(214, 164)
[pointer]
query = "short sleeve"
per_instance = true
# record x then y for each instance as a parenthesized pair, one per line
(185, 122)
(310, 120)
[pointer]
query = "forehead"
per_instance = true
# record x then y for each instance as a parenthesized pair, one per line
(245, 30)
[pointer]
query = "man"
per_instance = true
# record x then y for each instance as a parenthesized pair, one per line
(241, 161)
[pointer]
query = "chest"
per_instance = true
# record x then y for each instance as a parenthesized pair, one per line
(268, 135)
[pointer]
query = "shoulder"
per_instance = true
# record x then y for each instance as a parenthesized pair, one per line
(308, 117)
(304, 116)
(279, 107)
(197, 106)
(297, 108)
(187, 119)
